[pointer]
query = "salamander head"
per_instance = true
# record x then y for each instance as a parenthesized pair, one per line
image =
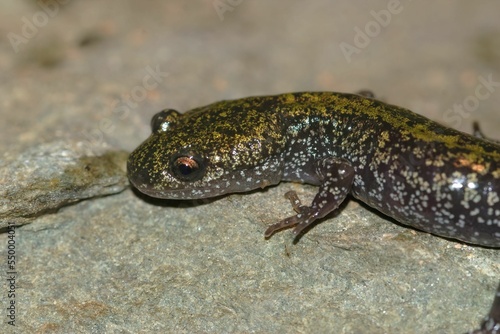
(226, 147)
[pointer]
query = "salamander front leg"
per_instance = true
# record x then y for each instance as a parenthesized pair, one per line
(336, 176)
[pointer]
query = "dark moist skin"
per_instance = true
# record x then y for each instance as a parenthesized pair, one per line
(406, 166)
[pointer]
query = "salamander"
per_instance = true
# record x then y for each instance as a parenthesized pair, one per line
(422, 174)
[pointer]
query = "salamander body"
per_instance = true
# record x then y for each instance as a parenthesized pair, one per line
(406, 166)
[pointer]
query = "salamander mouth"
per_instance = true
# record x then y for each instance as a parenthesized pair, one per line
(181, 194)
(141, 181)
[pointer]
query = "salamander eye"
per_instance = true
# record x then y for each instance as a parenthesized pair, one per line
(164, 120)
(187, 168)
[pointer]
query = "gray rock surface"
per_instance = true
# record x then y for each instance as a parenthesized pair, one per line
(81, 80)
(49, 176)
